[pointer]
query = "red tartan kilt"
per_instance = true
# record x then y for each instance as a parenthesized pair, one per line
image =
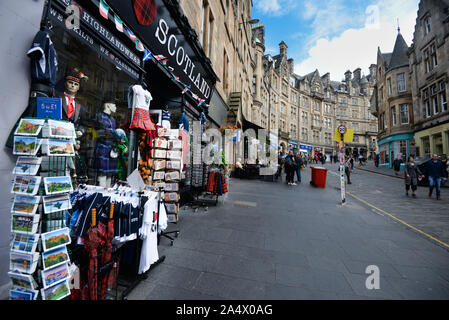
(141, 119)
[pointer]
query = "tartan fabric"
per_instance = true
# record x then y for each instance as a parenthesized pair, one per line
(216, 183)
(225, 186)
(106, 255)
(92, 241)
(210, 182)
(105, 164)
(141, 120)
(145, 11)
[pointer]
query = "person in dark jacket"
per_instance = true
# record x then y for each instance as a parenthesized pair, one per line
(298, 162)
(397, 164)
(435, 171)
(290, 168)
(411, 175)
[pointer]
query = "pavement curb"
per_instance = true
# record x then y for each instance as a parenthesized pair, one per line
(393, 176)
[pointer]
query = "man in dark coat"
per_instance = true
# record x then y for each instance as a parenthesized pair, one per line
(435, 170)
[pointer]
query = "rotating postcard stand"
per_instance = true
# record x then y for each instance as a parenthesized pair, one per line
(39, 259)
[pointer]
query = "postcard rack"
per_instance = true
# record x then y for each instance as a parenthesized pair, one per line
(38, 218)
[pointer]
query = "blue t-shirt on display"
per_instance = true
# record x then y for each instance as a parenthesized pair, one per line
(44, 63)
(183, 122)
(166, 115)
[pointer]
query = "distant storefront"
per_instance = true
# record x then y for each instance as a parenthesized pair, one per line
(393, 145)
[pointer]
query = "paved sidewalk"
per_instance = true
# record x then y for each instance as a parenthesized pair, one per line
(273, 241)
(385, 171)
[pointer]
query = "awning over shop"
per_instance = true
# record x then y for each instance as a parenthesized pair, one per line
(249, 125)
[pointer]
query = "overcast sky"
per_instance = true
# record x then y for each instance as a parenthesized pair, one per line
(335, 35)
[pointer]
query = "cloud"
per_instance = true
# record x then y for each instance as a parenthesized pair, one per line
(353, 48)
(275, 7)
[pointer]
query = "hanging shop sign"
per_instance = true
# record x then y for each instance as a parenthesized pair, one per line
(92, 33)
(154, 25)
(305, 147)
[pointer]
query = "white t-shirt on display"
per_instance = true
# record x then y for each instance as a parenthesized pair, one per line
(142, 97)
(148, 232)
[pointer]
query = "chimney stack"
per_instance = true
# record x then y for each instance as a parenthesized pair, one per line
(283, 49)
(357, 74)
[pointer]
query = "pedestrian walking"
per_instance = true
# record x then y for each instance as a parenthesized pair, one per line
(351, 161)
(298, 161)
(290, 168)
(397, 163)
(377, 160)
(348, 169)
(434, 169)
(411, 174)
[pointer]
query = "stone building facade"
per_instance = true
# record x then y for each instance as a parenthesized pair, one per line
(429, 72)
(394, 105)
(225, 33)
(305, 110)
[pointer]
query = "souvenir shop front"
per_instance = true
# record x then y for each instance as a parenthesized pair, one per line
(108, 148)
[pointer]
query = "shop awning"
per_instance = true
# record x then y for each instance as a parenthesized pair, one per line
(249, 125)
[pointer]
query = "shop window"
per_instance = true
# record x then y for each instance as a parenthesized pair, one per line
(403, 148)
(106, 108)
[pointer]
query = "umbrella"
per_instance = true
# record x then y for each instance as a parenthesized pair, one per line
(107, 251)
(92, 241)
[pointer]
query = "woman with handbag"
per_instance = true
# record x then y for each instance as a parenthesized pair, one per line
(411, 174)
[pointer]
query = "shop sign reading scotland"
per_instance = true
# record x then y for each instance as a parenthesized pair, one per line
(154, 26)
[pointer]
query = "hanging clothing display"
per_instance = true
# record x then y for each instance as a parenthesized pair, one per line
(141, 116)
(106, 142)
(148, 231)
(183, 122)
(216, 183)
(166, 117)
(44, 63)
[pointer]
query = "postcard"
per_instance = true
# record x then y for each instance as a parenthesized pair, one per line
(27, 185)
(55, 257)
(62, 148)
(24, 223)
(27, 146)
(27, 165)
(20, 295)
(55, 275)
(25, 204)
(55, 239)
(56, 292)
(29, 127)
(56, 203)
(60, 129)
(34, 293)
(22, 280)
(24, 242)
(57, 185)
(23, 262)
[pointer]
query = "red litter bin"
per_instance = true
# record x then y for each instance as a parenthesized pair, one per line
(319, 175)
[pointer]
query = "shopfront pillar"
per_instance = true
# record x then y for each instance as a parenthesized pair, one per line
(432, 139)
(445, 137)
